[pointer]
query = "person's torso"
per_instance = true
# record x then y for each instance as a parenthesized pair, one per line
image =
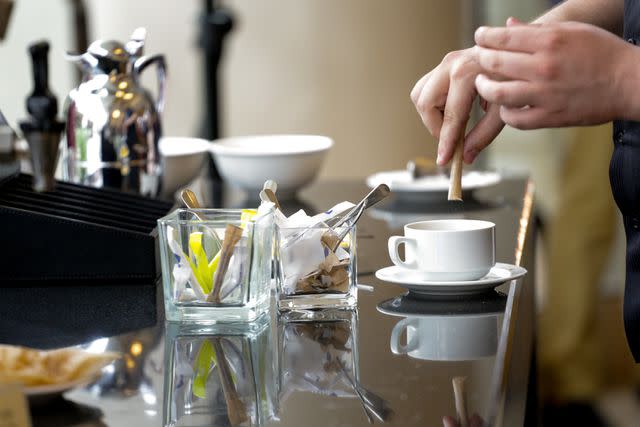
(624, 171)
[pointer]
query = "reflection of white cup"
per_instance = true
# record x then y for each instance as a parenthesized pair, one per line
(452, 338)
(450, 249)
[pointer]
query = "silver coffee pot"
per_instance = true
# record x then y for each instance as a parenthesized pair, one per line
(113, 123)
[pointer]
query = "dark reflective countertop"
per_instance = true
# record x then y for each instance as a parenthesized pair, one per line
(394, 353)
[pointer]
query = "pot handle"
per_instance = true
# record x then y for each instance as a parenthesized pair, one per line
(161, 65)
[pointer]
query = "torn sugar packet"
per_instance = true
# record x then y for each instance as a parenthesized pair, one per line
(183, 266)
(297, 225)
(300, 258)
(181, 275)
(238, 267)
(308, 263)
(335, 211)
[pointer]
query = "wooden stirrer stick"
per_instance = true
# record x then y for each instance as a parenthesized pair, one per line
(232, 235)
(461, 400)
(236, 410)
(455, 180)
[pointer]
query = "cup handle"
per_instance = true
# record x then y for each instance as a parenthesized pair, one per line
(396, 333)
(394, 243)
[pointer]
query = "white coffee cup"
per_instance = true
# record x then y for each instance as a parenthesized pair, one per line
(453, 338)
(446, 250)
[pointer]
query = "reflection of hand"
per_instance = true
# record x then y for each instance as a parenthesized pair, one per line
(474, 421)
(555, 75)
(444, 98)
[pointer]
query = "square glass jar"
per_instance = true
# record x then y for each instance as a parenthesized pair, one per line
(191, 257)
(309, 274)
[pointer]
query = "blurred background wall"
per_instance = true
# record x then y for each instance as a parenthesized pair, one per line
(340, 68)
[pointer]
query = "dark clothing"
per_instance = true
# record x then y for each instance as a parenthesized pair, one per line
(624, 173)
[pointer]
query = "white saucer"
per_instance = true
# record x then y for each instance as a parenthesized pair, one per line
(499, 274)
(433, 186)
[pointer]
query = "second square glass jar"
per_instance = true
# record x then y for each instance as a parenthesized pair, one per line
(310, 275)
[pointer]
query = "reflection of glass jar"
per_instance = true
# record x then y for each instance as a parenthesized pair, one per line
(320, 356)
(222, 376)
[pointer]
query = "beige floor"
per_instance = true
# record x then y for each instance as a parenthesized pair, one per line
(620, 407)
(619, 403)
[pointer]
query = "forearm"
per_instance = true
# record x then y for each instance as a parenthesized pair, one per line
(606, 14)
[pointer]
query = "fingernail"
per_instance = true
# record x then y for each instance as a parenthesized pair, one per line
(439, 159)
(470, 156)
(512, 21)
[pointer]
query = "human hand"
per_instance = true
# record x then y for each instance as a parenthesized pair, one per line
(444, 98)
(474, 421)
(555, 75)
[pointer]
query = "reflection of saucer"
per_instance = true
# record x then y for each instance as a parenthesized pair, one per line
(499, 274)
(488, 303)
(432, 186)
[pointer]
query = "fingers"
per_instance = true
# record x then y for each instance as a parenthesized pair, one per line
(483, 133)
(514, 65)
(432, 99)
(510, 93)
(525, 118)
(517, 38)
(417, 88)
(448, 421)
(456, 114)
(483, 104)
(433, 119)
(476, 421)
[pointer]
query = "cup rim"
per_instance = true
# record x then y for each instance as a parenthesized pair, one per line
(471, 225)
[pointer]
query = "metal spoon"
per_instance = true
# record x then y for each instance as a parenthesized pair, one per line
(352, 216)
(376, 195)
(190, 200)
(372, 403)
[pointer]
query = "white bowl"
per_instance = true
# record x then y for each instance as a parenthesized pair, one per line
(292, 161)
(182, 159)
